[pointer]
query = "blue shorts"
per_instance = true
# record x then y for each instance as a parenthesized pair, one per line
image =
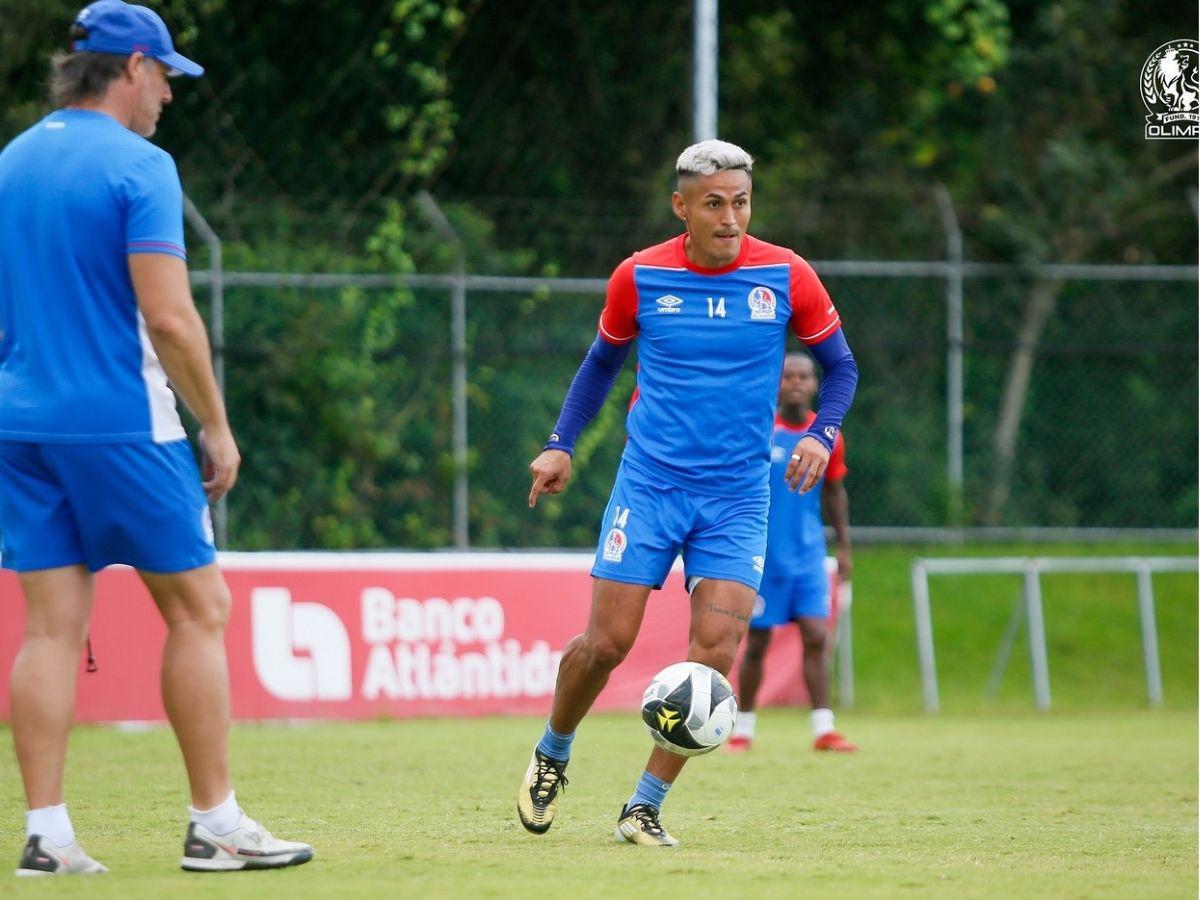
(647, 525)
(138, 503)
(786, 597)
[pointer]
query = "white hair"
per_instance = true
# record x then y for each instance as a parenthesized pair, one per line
(709, 157)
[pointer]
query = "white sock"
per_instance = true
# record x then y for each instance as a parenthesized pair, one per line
(744, 726)
(52, 823)
(221, 819)
(822, 721)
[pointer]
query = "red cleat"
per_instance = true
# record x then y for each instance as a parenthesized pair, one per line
(737, 744)
(831, 741)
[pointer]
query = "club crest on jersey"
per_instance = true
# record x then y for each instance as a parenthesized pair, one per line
(614, 545)
(762, 303)
(670, 304)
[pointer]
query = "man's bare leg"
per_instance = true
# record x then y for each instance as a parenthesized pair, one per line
(587, 661)
(750, 672)
(195, 675)
(814, 635)
(58, 604)
(195, 688)
(589, 658)
(720, 615)
(814, 632)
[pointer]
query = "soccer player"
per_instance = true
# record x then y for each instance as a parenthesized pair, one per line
(711, 309)
(795, 585)
(95, 468)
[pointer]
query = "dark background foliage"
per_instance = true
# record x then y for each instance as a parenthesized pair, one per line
(548, 132)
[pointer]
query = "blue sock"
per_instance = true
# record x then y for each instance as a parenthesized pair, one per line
(650, 790)
(555, 745)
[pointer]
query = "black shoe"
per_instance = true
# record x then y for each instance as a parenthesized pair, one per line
(638, 824)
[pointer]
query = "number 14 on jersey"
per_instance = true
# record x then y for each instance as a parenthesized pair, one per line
(716, 310)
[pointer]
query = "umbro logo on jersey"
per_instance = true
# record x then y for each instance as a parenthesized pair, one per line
(670, 304)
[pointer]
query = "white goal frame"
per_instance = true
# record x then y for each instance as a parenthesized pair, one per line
(1032, 568)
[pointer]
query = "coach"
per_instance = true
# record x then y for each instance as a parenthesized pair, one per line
(95, 469)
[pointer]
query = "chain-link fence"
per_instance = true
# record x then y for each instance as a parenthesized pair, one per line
(1076, 407)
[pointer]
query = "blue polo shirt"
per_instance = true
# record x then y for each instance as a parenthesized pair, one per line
(79, 192)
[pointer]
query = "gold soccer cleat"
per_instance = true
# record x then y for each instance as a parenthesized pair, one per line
(639, 824)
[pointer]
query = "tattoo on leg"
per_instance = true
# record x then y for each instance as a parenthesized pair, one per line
(724, 611)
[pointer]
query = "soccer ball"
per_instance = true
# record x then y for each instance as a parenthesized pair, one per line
(689, 708)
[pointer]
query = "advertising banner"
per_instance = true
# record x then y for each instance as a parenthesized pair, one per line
(359, 635)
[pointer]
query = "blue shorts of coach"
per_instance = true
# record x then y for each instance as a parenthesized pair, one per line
(648, 524)
(787, 596)
(140, 504)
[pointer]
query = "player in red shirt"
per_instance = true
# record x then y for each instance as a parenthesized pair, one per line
(795, 586)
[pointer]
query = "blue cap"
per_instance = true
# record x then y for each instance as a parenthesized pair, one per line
(114, 26)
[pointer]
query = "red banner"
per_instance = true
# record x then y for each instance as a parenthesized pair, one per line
(331, 635)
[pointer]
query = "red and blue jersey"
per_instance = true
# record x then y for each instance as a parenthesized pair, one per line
(795, 532)
(710, 352)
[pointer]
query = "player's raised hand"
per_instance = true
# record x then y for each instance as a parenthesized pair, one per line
(807, 465)
(220, 462)
(551, 471)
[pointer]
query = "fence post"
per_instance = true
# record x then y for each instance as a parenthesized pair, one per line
(458, 351)
(844, 642)
(920, 590)
(704, 69)
(1037, 635)
(217, 327)
(954, 354)
(1145, 590)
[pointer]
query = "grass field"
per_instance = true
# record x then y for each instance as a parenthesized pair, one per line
(1096, 799)
(1087, 805)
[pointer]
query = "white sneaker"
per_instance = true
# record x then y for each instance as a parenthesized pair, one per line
(44, 857)
(249, 846)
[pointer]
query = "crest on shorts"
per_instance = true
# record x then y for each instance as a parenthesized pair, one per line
(1170, 86)
(614, 545)
(762, 303)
